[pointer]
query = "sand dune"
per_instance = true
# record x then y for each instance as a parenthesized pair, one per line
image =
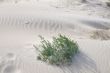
(23, 31)
(19, 30)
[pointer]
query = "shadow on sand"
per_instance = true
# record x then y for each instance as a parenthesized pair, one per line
(81, 64)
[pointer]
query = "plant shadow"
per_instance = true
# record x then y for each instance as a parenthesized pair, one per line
(81, 63)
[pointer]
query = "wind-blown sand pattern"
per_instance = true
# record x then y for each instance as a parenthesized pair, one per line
(19, 30)
(30, 23)
(32, 27)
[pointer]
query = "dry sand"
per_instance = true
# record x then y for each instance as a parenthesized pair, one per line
(21, 24)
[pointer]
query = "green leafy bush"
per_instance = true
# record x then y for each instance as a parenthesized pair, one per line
(60, 51)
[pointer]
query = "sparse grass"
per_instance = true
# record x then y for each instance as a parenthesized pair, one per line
(101, 34)
(58, 52)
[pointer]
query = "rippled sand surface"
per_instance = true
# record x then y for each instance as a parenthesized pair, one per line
(19, 30)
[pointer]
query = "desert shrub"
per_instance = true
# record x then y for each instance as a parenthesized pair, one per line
(58, 52)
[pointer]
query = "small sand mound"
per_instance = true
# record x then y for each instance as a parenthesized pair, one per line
(8, 64)
(101, 34)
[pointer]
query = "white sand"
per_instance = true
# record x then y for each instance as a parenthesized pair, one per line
(20, 25)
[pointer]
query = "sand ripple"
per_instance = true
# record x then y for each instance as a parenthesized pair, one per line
(30, 23)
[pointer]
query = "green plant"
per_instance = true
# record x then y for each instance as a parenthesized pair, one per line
(60, 51)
